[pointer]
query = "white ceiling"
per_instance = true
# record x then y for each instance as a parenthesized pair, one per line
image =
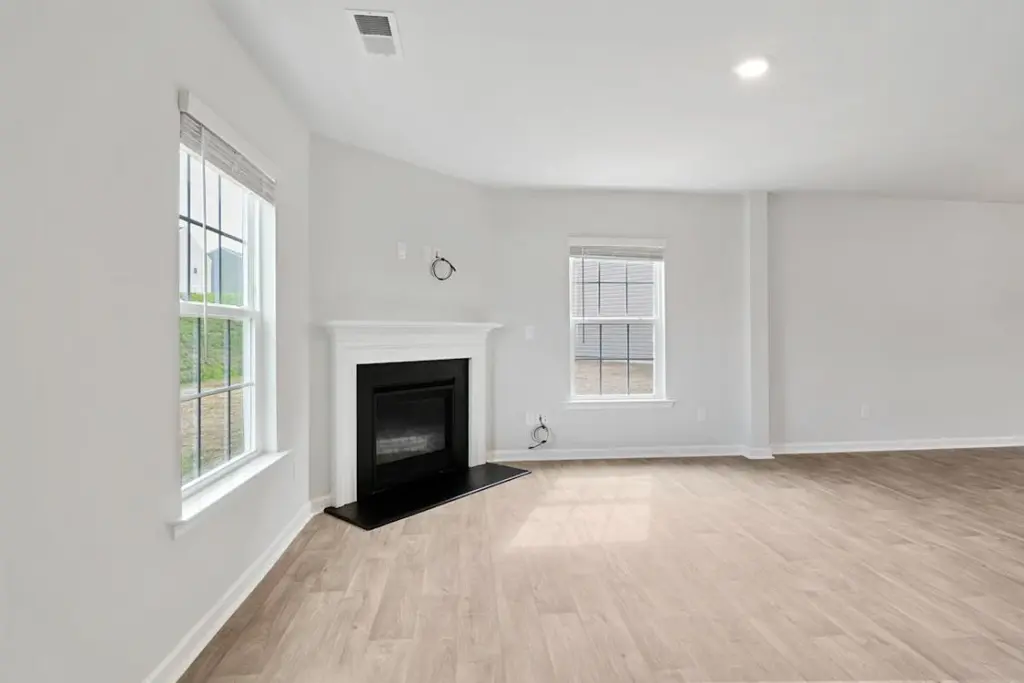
(909, 97)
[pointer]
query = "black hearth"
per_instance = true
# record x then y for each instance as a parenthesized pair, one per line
(412, 441)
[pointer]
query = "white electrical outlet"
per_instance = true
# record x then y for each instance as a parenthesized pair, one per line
(702, 414)
(530, 332)
(401, 251)
(531, 419)
(865, 411)
(428, 255)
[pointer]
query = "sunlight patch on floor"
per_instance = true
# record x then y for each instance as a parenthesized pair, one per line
(578, 511)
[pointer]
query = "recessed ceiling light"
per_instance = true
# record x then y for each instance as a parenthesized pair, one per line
(750, 69)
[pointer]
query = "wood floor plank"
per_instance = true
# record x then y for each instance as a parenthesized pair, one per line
(846, 567)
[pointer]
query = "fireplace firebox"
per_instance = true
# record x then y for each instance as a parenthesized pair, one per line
(412, 423)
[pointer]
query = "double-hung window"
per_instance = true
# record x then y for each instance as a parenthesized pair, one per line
(616, 319)
(225, 203)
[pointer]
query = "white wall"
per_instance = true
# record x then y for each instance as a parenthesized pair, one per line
(94, 587)
(913, 308)
(362, 205)
(704, 322)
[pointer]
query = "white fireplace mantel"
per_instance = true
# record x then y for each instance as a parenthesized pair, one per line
(362, 342)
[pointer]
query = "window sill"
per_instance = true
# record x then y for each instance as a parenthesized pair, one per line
(609, 404)
(196, 504)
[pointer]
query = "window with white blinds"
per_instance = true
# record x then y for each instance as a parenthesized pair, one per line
(616, 321)
(225, 203)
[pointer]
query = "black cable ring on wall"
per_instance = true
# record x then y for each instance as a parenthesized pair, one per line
(438, 260)
(540, 434)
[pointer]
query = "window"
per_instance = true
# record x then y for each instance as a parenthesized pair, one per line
(224, 204)
(616, 321)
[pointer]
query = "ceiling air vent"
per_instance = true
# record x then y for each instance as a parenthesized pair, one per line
(379, 32)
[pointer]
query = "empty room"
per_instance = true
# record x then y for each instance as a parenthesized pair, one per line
(535, 341)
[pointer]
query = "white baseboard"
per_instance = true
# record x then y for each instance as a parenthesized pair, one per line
(318, 504)
(543, 454)
(200, 635)
(898, 445)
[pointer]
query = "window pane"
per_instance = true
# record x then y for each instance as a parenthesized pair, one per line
(614, 377)
(641, 341)
(588, 377)
(183, 264)
(213, 445)
(214, 351)
(194, 263)
(640, 299)
(640, 271)
(613, 341)
(641, 358)
(233, 198)
(193, 202)
(641, 377)
(188, 355)
(212, 198)
(587, 342)
(227, 267)
(212, 249)
(613, 299)
(238, 349)
(189, 447)
(240, 432)
(612, 270)
(195, 174)
(587, 360)
(586, 303)
(182, 182)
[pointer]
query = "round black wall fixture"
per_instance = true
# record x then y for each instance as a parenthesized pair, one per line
(441, 268)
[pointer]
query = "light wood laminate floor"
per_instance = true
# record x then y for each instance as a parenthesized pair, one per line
(865, 567)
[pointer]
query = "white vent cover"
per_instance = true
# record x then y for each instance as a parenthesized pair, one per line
(379, 32)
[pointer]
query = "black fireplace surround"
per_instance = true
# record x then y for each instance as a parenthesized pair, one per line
(412, 442)
(412, 421)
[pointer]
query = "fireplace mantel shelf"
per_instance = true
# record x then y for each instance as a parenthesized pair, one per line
(409, 325)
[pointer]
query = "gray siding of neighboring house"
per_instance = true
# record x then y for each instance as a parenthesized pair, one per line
(226, 277)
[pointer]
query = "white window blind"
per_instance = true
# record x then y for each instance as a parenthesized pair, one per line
(208, 145)
(625, 253)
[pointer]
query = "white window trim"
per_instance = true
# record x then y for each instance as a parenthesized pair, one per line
(204, 499)
(201, 494)
(659, 398)
(632, 402)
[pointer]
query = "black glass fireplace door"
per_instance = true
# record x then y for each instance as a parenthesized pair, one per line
(412, 423)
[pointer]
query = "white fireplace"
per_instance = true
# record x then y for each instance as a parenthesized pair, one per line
(359, 342)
